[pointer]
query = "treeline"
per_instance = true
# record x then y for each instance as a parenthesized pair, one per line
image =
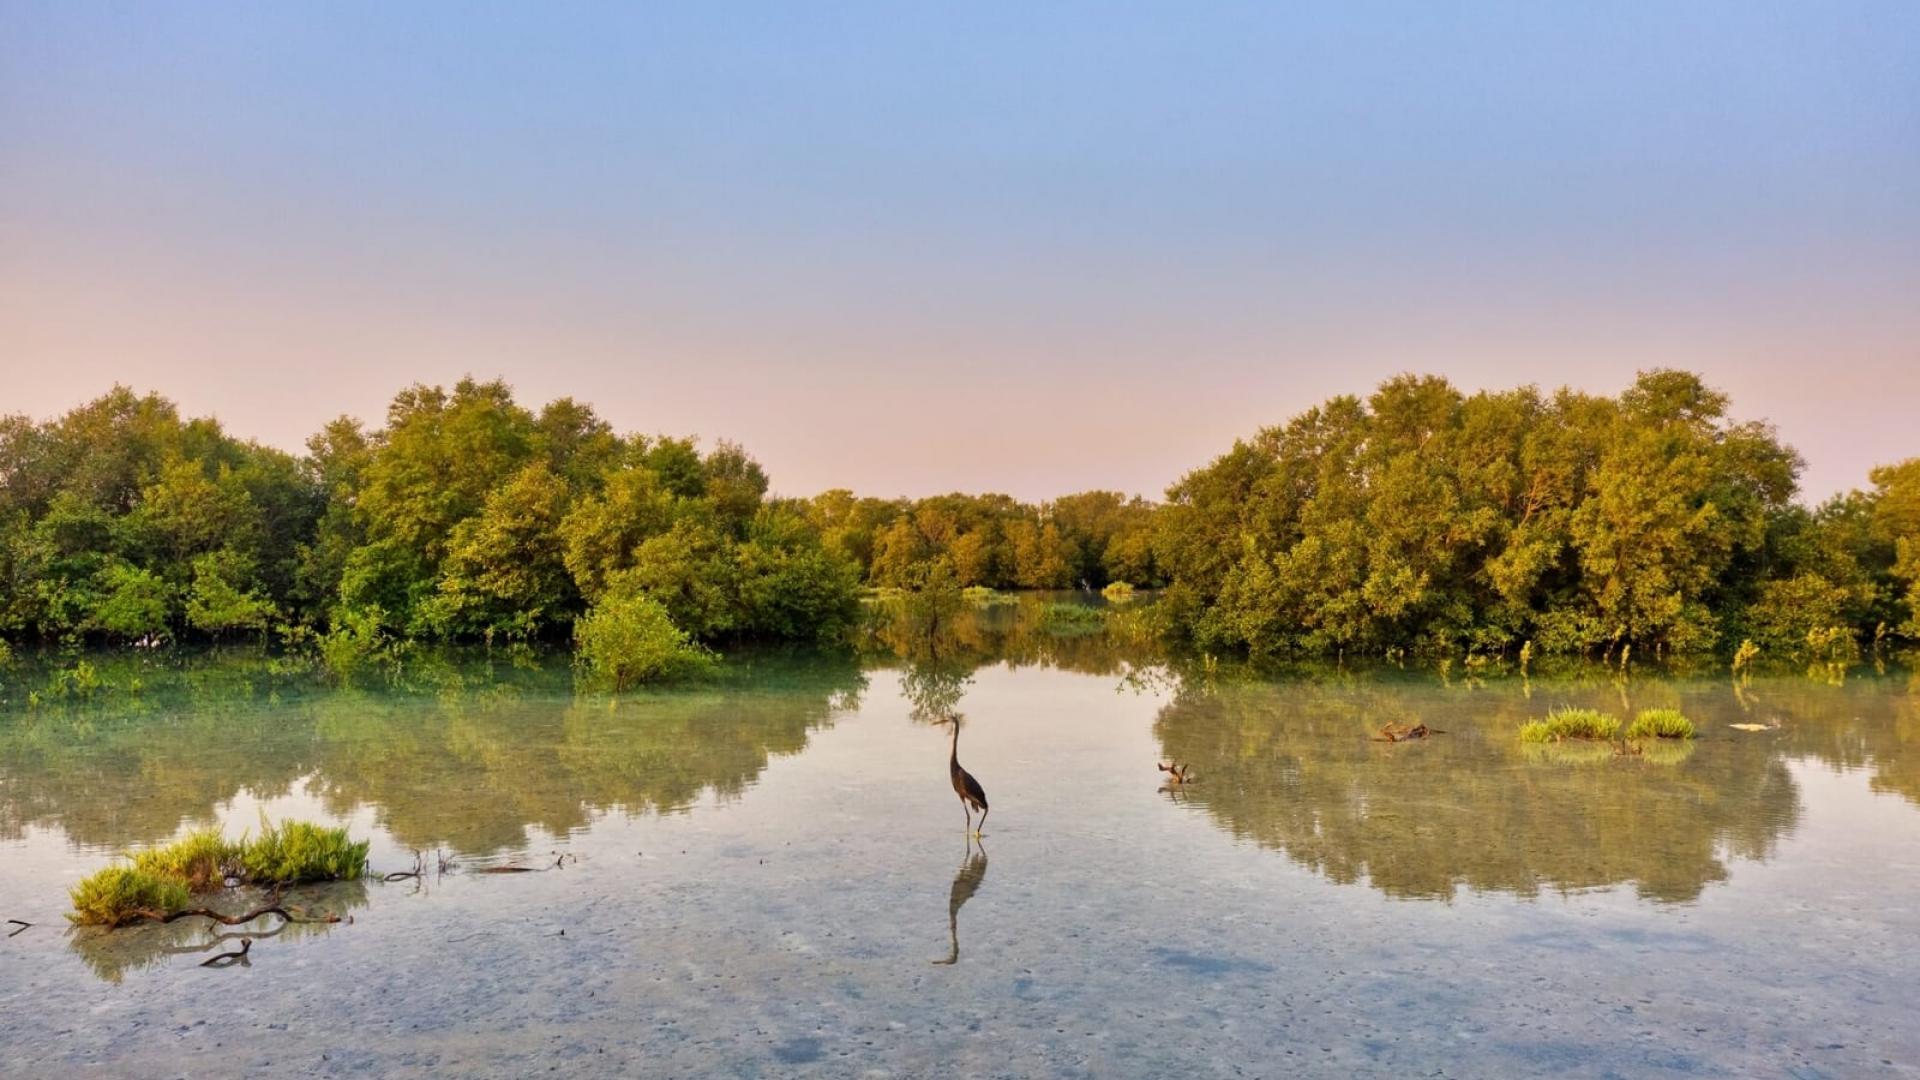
(1422, 519)
(468, 516)
(1417, 520)
(1079, 541)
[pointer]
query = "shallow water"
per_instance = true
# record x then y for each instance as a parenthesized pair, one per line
(769, 867)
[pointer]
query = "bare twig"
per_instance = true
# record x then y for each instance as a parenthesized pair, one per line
(21, 923)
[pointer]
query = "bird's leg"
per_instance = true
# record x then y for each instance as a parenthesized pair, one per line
(968, 811)
(983, 821)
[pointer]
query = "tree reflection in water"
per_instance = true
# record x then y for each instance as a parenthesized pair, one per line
(467, 755)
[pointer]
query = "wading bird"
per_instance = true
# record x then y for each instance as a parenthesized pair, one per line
(972, 795)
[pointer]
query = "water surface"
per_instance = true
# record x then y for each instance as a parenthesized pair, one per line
(773, 878)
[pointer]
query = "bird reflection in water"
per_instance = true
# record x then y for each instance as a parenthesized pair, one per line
(965, 883)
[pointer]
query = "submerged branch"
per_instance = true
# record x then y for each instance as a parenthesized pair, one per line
(224, 919)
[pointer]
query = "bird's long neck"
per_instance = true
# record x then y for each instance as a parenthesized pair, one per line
(953, 756)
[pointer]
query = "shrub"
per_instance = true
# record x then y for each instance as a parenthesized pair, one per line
(1117, 592)
(629, 639)
(295, 852)
(217, 604)
(137, 603)
(6, 653)
(200, 860)
(82, 680)
(1570, 724)
(355, 637)
(122, 894)
(933, 596)
(1660, 724)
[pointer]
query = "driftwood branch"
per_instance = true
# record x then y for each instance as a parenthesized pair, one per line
(271, 907)
(419, 865)
(1403, 733)
(231, 958)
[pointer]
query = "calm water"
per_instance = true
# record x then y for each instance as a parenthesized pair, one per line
(770, 866)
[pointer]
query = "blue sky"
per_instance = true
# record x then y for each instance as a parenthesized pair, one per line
(1034, 247)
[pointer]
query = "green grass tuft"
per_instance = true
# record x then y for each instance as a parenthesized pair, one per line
(122, 894)
(200, 860)
(162, 880)
(1117, 592)
(1562, 724)
(295, 852)
(982, 596)
(1660, 724)
(1063, 618)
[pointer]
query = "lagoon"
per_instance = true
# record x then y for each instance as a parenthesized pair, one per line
(764, 874)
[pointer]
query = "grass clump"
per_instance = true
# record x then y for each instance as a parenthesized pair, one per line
(120, 895)
(296, 852)
(1061, 618)
(200, 860)
(162, 880)
(985, 596)
(1660, 724)
(1117, 592)
(631, 639)
(1563, 724)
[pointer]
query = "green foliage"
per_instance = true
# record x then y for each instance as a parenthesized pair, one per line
(1563, 724)
(355, 639)
(1428, 520)
(106, 510)
(1117, 592)
(82, 680)
(984, 596)
(296, 852)
(503, 573)
(161, 880)
(627, 639)
(219, 601)
(1660, 724)
(1066, 618)
(791, 586)
(137, 603)
(1896, 523)
(1745, 655)
(119, 895)
(932, 599)
(991, 540)
(201, 860)
(1416, 520)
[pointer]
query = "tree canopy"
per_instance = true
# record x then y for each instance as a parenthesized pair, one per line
(1423, 518)
(1418, 518)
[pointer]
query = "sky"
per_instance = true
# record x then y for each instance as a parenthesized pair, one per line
(1028, 247)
